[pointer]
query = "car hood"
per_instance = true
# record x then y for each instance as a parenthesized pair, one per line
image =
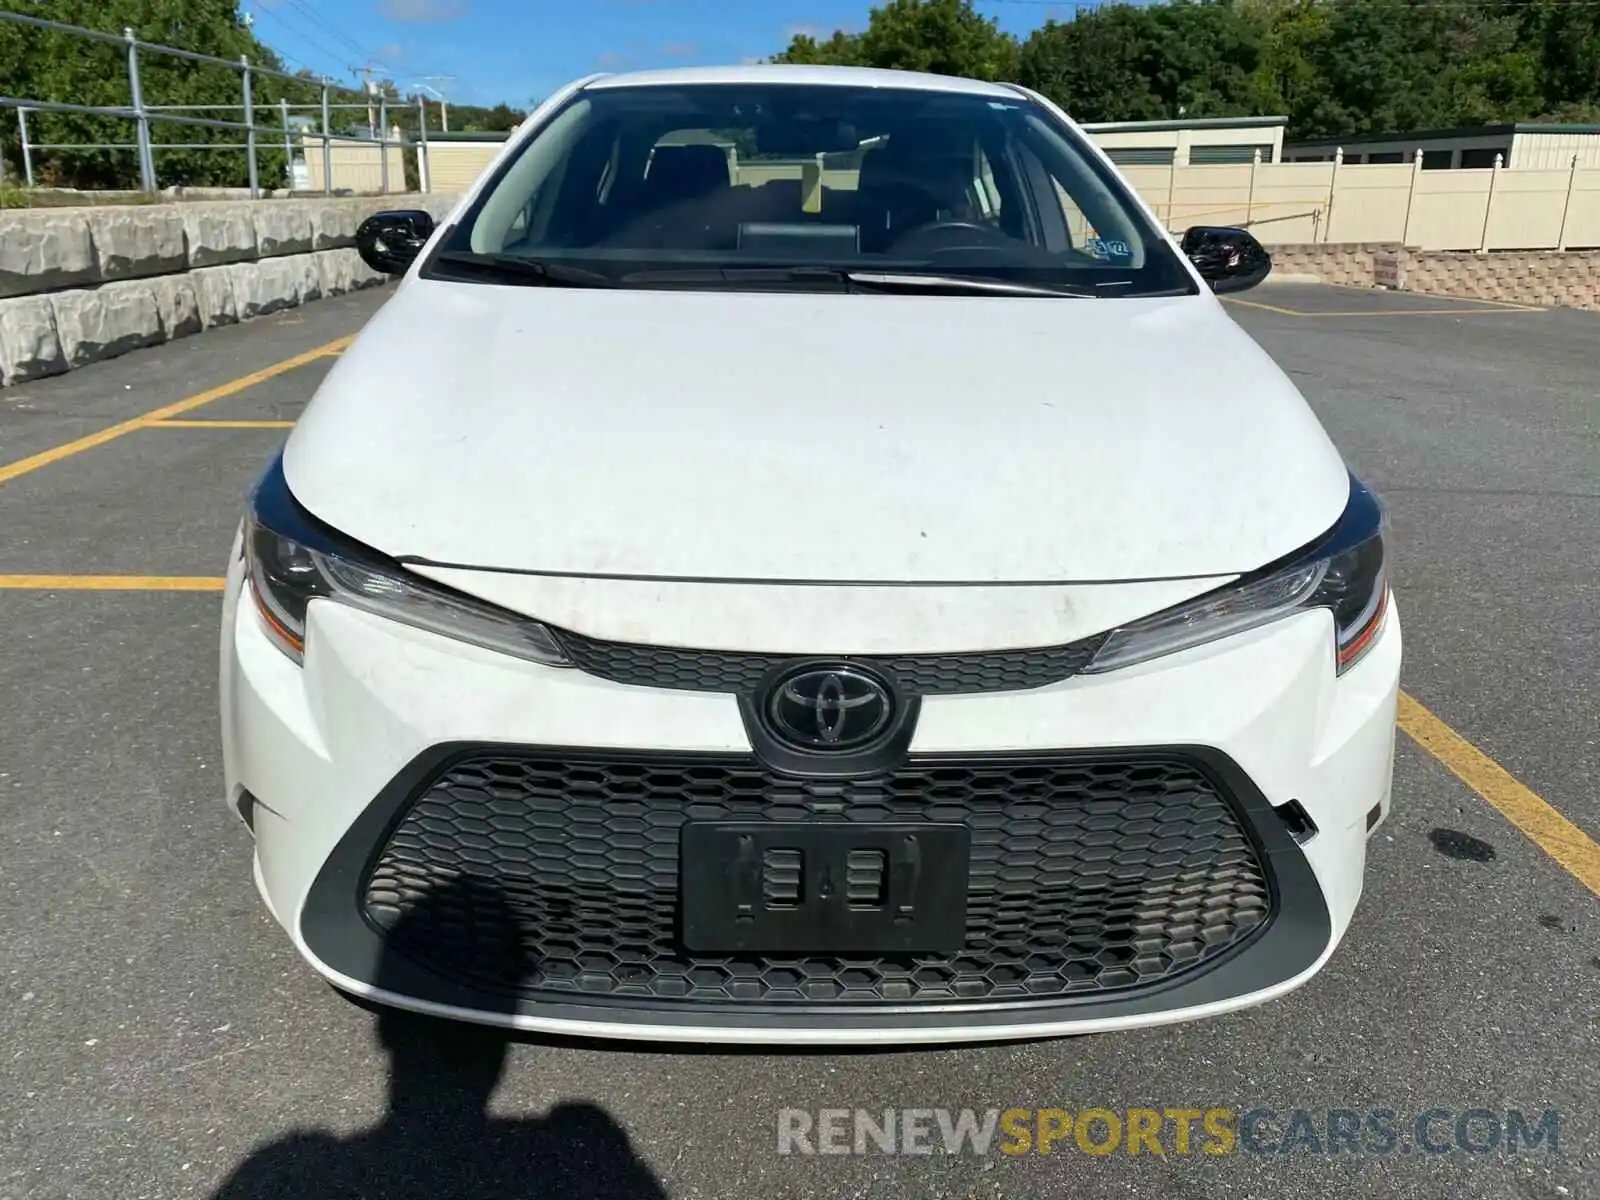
(813, 437)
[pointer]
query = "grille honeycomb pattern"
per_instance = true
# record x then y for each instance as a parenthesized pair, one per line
(738, 671)
(1085, 878)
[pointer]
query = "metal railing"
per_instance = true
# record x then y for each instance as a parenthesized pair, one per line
(143, 115)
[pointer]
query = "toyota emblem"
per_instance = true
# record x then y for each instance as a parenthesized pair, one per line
(829, 708)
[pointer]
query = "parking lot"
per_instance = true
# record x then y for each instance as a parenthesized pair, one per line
(160, 1038)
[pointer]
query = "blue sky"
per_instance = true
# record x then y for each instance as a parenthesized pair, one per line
(519, 50)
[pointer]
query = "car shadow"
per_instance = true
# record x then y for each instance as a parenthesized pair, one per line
(437, 1140)
(471, 913)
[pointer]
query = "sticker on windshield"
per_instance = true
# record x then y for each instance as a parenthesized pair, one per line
(1106, 248)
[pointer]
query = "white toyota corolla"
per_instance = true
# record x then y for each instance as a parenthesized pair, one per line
(804, 556)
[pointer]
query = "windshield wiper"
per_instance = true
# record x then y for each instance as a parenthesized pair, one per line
(954, 285)
(514, 268)
(867, 281)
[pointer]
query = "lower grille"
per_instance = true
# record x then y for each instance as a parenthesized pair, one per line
(555, 877)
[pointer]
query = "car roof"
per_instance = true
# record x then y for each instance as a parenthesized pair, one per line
(809, 75)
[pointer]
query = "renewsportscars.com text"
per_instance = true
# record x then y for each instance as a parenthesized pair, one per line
(1166, 1131)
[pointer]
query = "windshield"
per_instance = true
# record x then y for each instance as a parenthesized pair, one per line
(718, 185)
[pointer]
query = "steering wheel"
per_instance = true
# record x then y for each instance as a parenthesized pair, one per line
(950, 236)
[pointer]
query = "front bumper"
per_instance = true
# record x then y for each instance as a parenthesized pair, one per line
(328, 760)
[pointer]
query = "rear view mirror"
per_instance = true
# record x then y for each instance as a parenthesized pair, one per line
(1229, 259)
(802, 137)
(390, 241)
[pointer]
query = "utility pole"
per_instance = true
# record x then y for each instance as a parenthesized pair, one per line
(422, 106)
(443, 81)
(368, 85)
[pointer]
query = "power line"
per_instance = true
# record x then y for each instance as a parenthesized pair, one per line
(363, 52)
(348, 45)
(295, 29)
(319, 20)
(371, 64)
(291, 61)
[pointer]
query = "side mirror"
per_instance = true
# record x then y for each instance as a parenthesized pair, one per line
(390, 241)
(1230, 260)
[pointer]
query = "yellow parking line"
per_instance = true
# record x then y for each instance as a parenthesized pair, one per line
(1389, 312)
(1541, 824)
(55, 454)
(203, 424)
(1272, 308)
(1423, 312)
(1368, 290)
(111, 583)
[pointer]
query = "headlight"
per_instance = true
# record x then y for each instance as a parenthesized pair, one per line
(294, 559)
(1344, 573)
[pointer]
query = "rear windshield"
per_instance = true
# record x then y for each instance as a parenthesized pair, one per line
(627, 181)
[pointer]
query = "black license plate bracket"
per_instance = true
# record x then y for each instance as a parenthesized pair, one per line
(833, 887)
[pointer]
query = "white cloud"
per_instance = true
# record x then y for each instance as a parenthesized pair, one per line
(422, 11)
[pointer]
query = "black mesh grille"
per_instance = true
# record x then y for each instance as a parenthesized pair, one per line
(1087, 877)
(739, 671)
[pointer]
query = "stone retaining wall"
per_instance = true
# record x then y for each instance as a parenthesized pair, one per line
(1568, 278)
(77, 285)
(1349, 263)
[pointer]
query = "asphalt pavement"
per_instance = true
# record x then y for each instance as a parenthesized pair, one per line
(160, 1038)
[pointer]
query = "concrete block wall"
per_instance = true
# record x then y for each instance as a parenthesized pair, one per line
(78, 285)
(1545, 278)
(1568, 279)
(1348, 263)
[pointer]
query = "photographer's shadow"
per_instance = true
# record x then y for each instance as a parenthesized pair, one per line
(437, 1140)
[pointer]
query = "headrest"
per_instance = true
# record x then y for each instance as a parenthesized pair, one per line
(921, 156)
(684, 171)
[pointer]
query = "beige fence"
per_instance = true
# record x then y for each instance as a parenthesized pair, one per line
(455, 166)
(1297, 203)
(1308, 203)
(355, 166)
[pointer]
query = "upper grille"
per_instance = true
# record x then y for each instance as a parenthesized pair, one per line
(741, 671)
(556, 877)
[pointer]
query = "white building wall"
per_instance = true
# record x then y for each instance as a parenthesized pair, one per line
(1181, 139)
(1553, 151)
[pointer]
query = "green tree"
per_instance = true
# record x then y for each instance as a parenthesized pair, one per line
(500, 118)
(1127, 63)
(1288, 80)
(1205, 58)
(945, 37)
(1357, 67)
(39, 64)
(840, 50)
(1333, 67)
(1096, 67)
(1564, 39)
